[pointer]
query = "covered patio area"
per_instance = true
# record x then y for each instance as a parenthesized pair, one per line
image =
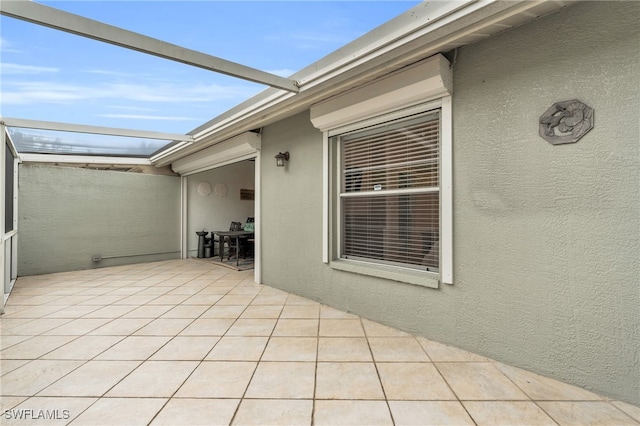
(187, 342)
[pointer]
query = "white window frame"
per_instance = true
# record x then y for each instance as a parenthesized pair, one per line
(332, 235)
(424, 86)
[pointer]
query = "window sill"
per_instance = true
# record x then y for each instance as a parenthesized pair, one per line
(404, 275)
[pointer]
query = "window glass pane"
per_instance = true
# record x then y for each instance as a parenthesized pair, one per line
(55, 142)
(396, 229)
(390, 196)
(392, 157)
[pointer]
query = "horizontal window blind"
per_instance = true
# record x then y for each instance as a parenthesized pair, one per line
(390, 194)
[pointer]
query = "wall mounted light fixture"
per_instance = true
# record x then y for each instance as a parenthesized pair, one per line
(282, 158)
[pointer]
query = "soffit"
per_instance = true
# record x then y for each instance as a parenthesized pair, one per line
(400, 42)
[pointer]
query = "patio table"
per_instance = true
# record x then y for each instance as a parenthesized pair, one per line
(232, 234)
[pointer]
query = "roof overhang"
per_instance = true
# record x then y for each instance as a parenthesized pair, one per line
(425, 30)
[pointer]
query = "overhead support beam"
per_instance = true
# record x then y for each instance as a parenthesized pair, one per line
(54, 18)
(81, 128)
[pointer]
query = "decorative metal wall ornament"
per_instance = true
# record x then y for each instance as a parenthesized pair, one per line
(566, 122)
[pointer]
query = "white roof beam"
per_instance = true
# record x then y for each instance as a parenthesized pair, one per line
(54, 18)
(81, 128)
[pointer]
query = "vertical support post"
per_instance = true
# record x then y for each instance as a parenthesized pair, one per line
(3, 148)
(184, 248)
(257, 212)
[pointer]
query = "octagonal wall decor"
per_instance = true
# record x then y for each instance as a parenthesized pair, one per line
(566, 122)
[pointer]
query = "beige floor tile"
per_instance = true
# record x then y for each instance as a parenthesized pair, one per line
(213, 379)
(223, 312)
(78, 327)
(164, 327)
(282, 380)
(208, 327)
(544, 388)
(60, 410)
(374, 329)
(84, 347)
(344, 349)
(36, 326)
(35, 347)
(170, 299)
(430, 413)
(301, 311)
(235, 300)
(296, 327)
(346, 380)
(196, 412)
(186, 311)
(439, 352)
(203, 299)
(8, 341)
(216, 289)
(8, 323)
(272, 299)
(186, 348)
(120, 411)
(332, 313)
(109, 312)
(291, 349)
(262, 311)
(350, 413)
(397, 349)
(148, 311)
(293, 299)
(121, 327)
(154, 379)
(413, 381)
(31, 312)
(134, 348)
(479, 381)
(8, 402)
(104, 300)
(31, 378)
(586, 413)
(238, 348)
(341, 327)
(136, 299)
(507, 413)
(73, 311)
(92, 379)
(258, 412)
(250, 290)
(252, 327)
(632, 410)
(8, 365)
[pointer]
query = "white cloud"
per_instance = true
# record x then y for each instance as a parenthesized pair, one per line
(8, 68)
(35, 92)
(150, 117)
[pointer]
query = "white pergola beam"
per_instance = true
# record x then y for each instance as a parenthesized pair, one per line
(84, 159)
(81, 128)
(54, 18)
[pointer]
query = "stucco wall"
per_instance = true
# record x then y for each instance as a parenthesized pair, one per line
(546, 238)
(214, 211)
(67, 215)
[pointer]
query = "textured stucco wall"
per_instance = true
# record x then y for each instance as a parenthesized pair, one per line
(67, 215)
(214, 212)
(546, 238)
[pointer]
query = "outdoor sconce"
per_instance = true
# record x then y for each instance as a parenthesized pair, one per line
(282, 158)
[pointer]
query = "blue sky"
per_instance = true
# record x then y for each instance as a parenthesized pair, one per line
(54, 76)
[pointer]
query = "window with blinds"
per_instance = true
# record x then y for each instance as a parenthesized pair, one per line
(389, 193)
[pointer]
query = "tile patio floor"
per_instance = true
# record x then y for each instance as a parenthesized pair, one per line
(185, 342)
